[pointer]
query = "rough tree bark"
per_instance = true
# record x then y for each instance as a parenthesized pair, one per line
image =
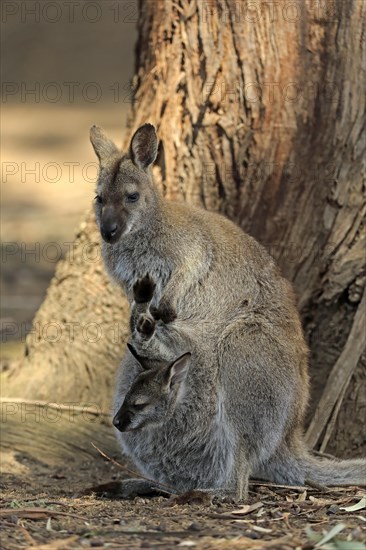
(260, 108)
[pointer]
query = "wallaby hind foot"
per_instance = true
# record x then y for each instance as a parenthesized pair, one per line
(131, 488)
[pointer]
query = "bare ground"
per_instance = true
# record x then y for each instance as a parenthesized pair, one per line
(63, 507)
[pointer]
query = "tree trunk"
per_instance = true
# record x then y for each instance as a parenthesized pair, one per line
(260, 108)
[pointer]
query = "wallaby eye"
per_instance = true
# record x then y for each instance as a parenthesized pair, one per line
(99, 199)
(139, 406)
(133, 197)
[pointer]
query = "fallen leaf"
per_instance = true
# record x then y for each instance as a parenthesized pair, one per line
(320, 501)
(355, 507)
(247, 509)
(349, 545)
(330, 535)
(261, 529)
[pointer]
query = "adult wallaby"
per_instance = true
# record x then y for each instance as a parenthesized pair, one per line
(225, 287)
(178, 422)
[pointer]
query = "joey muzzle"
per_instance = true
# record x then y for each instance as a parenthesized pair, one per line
(112, 225)
(122, 419)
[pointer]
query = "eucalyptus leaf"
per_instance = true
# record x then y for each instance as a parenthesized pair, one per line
(358, 506)
(330, 535)
(312, 535)
(349, 545)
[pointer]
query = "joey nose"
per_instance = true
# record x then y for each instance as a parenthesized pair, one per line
(122, 421)
(117, 421)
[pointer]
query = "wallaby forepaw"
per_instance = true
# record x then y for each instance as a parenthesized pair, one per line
(145, 325)
(165, 313)
(143, 289)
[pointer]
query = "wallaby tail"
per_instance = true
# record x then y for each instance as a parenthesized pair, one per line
(334, 472)
(296, 468)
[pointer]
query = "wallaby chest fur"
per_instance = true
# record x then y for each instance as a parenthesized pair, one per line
(218, 264)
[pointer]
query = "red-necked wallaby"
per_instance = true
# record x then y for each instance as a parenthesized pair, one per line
(249, 357)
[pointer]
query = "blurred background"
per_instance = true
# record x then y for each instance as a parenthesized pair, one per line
(64, 67)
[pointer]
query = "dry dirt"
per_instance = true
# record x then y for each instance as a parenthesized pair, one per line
(62, 507)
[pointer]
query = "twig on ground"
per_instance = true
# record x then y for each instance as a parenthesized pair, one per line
(35, 513)
(133, 472)
(28, 537)
(316, 485)
(276, 485)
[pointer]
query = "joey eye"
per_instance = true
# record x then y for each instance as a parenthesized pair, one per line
(133, 197)
(139, 406)
(98, 199)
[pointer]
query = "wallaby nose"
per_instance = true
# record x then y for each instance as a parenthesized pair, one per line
(109, 231)
(117, 421)
(122, 421)
(113, 229)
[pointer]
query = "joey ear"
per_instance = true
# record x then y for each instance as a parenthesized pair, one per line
(103, 146)
(177, 371)
(144, 146)
(142, 360)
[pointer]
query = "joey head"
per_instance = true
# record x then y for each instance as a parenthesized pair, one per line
(153, 397)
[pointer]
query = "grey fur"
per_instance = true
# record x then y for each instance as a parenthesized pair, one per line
(223, 298)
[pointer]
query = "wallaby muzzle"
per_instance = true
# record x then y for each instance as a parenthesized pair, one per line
(122, 420)
(111, 225)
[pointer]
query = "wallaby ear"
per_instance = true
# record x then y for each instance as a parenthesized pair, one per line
(177, 371)
(104, 147)
(144, 146)
(144, 362)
